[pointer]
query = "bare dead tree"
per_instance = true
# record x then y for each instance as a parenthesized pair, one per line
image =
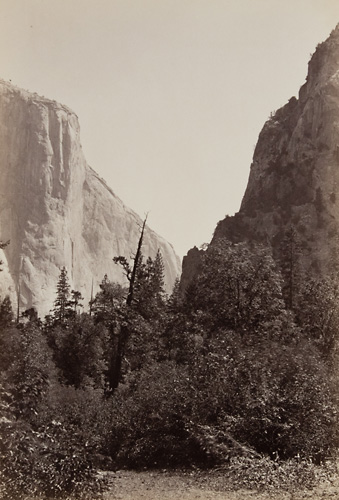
(122, 332)
(130, 294)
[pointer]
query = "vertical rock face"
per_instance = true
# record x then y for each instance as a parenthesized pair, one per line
(55, 210)
(294, 176)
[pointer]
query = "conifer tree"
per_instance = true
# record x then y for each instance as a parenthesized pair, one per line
(62, 305)
(289, 256)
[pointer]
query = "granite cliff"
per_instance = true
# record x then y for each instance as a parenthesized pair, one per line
(294, 176)
(55, 210)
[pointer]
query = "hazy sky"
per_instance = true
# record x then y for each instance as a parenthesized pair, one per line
(171, 94)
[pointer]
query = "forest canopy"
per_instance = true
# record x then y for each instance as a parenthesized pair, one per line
(228, 369)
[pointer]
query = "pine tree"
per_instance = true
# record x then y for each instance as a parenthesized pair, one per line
(289, 257)
(63, 305)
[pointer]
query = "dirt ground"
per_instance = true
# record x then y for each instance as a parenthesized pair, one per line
(129, 485)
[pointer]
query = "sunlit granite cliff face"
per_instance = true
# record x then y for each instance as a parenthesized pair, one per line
(55, 210)
(294, 177)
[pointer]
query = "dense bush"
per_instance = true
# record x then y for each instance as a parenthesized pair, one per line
(237, 399)
(243, 379)
(86, 410)
(48, 462)
(238, 288)
(46, 446)
(265, 474)
(81, 351)
(150, 424)
(274, 398)
(221, 375)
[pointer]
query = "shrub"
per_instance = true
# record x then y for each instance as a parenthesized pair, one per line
(151, 416)
(45, 463)
(275, 398)
(87, 411)
(49, 432)
(240, 397)
(266, 474)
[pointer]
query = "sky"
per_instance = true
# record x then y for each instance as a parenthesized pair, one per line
(171, 95)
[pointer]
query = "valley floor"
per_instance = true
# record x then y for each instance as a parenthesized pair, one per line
(129, 485)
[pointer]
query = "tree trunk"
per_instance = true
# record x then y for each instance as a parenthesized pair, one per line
(120, 338)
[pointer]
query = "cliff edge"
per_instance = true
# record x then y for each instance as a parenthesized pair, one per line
(55, 210)
(294, 176)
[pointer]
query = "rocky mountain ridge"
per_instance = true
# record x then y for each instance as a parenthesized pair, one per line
(55, 210)
(294, 176)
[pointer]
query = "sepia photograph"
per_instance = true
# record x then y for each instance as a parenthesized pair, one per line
(169, 249)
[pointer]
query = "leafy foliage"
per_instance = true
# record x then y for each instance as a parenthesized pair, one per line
(238, 288)
(317, 313)
(43, 449)
(265, 474)
(226, 374)
(44, 462)
(81, 351)
(150, 419)
(108, 305)
(256, 382)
